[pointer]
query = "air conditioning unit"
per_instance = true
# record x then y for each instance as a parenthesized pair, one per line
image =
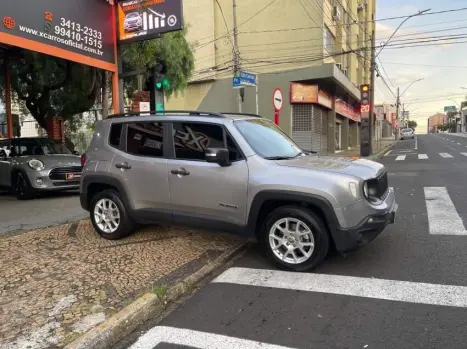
(339, 65)
(336, 13)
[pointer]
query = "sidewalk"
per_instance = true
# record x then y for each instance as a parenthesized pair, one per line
(57, 283)
(460, 134)
(378, 146)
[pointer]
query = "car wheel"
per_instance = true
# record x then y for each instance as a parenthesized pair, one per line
(22, 187)
(295, 238)
(109, 216)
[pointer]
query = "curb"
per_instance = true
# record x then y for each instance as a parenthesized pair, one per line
(381, 152)
(117, 327)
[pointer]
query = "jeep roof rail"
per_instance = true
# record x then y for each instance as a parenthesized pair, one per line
(168, 112)
(244, 114)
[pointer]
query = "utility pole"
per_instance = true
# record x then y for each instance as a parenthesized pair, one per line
(397, 104)
(372, 87)
(236, 53)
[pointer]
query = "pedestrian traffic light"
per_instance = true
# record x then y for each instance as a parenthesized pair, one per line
(162, 83)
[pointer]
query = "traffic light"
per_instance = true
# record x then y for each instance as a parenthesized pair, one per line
(162, 83)
(365, 99)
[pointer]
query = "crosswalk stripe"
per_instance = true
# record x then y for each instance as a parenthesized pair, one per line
(392, 290)
(400, 157)
(422, 156)
(196, 339)
(445, 155)
(465, 154)
(459, 143)
(443, 218)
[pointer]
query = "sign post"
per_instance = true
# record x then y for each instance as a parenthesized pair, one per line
(247, 79)
(277, 100)
(365, 112)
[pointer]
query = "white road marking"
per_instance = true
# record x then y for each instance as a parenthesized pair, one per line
(400, 157)
(389, 152)
(416, 143)
(465, 154)
(422, 156)
(196, 339)
(459, 143)
(443, 218)
(392, 290)
(445, 155)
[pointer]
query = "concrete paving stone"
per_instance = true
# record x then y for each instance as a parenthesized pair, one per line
(50, 280)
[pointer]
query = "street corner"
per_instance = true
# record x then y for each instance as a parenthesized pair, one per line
(60, 282)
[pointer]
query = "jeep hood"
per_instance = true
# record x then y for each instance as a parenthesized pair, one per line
(360, 168)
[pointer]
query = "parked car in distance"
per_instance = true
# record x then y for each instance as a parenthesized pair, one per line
(233, 172)
(407, 133)
(32, 165)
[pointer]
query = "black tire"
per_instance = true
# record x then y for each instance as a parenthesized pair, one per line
(126, 224)
(21, 187)
(317, 227)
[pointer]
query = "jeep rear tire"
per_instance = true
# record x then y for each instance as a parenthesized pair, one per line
(109, 216)
(295, 238)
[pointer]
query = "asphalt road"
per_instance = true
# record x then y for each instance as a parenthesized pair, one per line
(17, 216)
(407, 289)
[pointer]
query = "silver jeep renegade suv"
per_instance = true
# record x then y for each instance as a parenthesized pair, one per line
(232, 172)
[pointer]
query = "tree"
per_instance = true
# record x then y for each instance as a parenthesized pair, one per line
(412, 124)
(172, 49)
(49, 86)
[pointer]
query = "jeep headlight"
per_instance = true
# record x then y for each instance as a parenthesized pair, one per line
(365, 190)
(36, 164)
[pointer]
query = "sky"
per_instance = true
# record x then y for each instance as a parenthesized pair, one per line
(443, 67)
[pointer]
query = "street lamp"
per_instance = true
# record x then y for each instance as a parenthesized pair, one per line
(413, 82)
(400, 95)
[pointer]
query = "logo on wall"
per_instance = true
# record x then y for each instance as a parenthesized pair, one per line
(9, 22)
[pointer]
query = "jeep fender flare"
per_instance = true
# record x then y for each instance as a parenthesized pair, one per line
(300, 198)
(98, 179)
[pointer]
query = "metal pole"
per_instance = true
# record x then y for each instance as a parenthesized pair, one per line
(257, 97)
(9, 116)
(236, 52)
(121, 97)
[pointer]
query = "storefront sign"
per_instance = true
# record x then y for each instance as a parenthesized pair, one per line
(302, 93)
(347, 110)
(147, 19)
(80, 31)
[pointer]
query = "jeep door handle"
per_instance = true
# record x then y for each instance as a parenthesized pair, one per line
(180, 171)
(123, 165)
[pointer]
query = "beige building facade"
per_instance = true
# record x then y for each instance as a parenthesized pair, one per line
(316, 52)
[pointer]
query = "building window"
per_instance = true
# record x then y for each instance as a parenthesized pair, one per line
(329, 40)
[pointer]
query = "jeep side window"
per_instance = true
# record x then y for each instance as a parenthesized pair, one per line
(145, 139)
(115, 133)
(192, 139)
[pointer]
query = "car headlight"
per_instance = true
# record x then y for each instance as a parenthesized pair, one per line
(36, 164)
(365, 190)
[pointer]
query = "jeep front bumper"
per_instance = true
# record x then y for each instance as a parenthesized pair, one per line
(348, 239)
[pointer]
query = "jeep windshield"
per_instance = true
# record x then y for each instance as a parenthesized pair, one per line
(268, 140)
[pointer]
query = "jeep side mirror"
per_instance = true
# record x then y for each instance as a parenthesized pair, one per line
(217, 155)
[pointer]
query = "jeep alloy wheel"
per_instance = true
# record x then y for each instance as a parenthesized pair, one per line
(291, 240)
(295, 238)
(107, 216)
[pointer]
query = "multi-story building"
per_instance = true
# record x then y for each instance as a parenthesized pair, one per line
(435, 120)
(316, 52)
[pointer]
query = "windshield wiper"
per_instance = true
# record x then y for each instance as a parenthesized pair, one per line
(279, 157)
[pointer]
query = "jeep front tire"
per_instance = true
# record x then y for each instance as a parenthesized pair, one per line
(295, 238)
(109, 216)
